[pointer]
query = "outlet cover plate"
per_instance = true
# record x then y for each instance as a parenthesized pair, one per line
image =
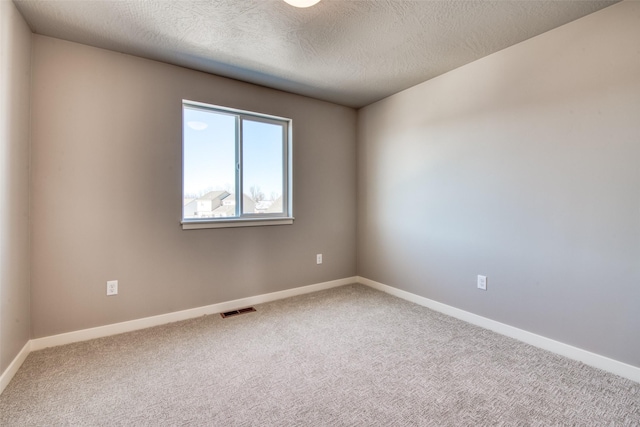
(112, 287)
(482, 282)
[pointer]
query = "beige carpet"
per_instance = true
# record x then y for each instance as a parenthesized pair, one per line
(350, 356)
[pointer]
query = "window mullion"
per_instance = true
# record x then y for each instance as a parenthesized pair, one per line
(239, 189)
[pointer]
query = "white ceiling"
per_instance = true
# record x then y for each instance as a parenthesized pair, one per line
(351, 52)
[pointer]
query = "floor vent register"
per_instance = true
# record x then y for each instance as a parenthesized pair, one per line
(237, 312)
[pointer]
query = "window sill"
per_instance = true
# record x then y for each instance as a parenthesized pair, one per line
(230, 223)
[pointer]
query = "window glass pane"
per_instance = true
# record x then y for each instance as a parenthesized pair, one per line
(209, 179)
(262, 167)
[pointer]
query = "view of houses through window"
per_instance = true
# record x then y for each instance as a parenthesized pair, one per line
(222, 204)
(225, 151)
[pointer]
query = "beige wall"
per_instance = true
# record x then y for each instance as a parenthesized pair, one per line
(525, 167)
(106, 194)
(15, 77)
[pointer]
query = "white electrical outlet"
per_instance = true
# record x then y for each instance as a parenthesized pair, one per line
(482, 282)
(319, 259)
(112, 287)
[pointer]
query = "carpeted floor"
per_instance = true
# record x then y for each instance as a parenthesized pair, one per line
(349, 356)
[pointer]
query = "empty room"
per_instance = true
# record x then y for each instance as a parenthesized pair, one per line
(319, 212)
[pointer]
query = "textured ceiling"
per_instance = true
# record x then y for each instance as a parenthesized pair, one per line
(345, 51)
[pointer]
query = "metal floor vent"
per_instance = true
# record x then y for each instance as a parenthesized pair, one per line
(237, 312)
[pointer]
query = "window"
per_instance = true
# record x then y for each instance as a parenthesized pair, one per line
(236, 168)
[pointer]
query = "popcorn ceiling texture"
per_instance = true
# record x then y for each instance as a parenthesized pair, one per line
(348, 52)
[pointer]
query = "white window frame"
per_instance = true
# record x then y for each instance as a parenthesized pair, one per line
(244, 219)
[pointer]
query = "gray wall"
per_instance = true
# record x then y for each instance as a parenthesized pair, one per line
(523, 166)
(15, 77)
(106, 194)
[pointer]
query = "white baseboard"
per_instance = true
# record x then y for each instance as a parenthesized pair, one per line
(13, 367)
(147, 322)
(176, 316)
(592, 359)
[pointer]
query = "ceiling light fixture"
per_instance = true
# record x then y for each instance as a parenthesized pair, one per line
(302, 3)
